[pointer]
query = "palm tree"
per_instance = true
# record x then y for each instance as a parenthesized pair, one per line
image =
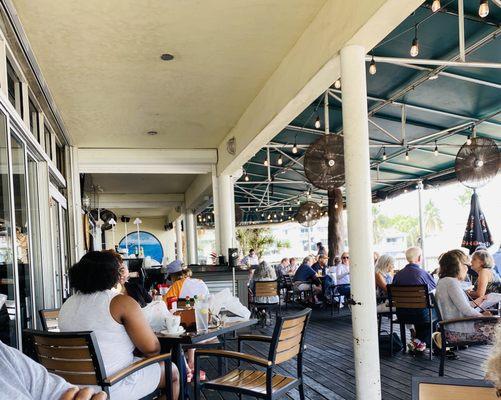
(380, 224)
(259, 239)
(464, 199)
(432, 221)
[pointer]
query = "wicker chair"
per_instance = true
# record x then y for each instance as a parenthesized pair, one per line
(286, 343)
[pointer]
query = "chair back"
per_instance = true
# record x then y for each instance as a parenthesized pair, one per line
(288, 336)
(74, 356)
(266, 288)
(408, 296)
(431, 388)
(289, 284)
(49, 317)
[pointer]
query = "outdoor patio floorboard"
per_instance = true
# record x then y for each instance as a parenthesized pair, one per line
(329, 364)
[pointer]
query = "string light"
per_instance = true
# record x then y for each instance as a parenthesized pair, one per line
(269, 216)
(274, 216)
(435, 6)
(317, 123)
(407, 154)
(265, 163)
(246, 177)
(298, 201)
(280, 161)
(436, 149)
(262, 215)
(415, 44)
(468, 140)
(384, 154)
(336, 206)
(290, 208)
(282, 213)
(483, 8)
(372, 67)
(337, 84)
(294, 148)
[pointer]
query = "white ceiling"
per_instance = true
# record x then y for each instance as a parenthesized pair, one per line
(142, 183)
(101, 60)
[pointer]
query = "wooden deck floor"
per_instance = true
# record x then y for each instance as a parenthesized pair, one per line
(329, 366)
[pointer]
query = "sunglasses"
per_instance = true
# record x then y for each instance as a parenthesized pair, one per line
(345, 258)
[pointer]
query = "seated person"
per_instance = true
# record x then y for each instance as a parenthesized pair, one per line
(488, 281)
(132, 289)
(453, 302)
(264, 273)
(384, 276)
(118, 323)
(321, 264)
(493, 365)
(182, 284)
(306, 279)
(251, 259)
(342, 272)
(293, 266)
(24, 379)
(413, 274)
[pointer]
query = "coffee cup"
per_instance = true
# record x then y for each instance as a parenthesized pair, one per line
(172, 323)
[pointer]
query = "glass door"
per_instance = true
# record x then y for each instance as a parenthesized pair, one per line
(22, 236)
(8, 296)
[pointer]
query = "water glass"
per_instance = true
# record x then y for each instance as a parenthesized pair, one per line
(202, 315)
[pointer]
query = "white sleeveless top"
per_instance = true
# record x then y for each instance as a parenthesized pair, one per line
(91, 312)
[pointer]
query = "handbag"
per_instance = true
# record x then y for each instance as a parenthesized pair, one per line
(385, 343)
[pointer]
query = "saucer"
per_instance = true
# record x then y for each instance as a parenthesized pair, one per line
(180, 331)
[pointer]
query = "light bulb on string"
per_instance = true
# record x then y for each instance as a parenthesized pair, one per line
(415, 44)
(435, 6)
(298, 201)
(290, 208)
(274, 216)
(436, 149)
(265, 163)
(294, 148)
(384, 154)
(246, 177)
(337, 84)
(468, 140)
(336, 206)
(317, 123)
(483, 8)
(280, 161)
(372, 67)
(407, 154)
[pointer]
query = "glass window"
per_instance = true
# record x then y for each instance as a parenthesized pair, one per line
(7, 279)
(13, 86)
(48, 141)
(22, 237)
(60, 158)
(34, 127)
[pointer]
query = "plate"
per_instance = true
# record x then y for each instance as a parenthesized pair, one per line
(180, 331)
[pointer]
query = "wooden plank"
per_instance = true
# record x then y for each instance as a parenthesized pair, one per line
(81, 353)
(293, 322)
(67, 365)
(60, 342)
(291, 332)
(77, 379)
(287, 355)
(287, 344)
(449, 392)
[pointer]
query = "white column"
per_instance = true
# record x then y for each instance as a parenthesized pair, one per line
(421, 223)
(358, 199)
(215, 203)
(179, 239)
(226, 214)
(75, 212)
(191, 233)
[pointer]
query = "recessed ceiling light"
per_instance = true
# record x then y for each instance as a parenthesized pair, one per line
(152, 133)
(167, 57)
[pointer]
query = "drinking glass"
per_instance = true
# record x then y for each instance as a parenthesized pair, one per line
(202, 315)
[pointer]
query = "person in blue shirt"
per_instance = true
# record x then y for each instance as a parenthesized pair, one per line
(306, 278)
(497, 261)
(321, 264)
(413, 274)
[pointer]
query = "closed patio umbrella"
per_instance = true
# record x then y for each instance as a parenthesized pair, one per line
(477, 232)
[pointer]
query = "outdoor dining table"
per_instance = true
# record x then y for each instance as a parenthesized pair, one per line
(174, 342)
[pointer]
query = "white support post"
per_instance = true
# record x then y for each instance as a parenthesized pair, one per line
(326, 112)
(191, 240)
(226, 214)
(358, 199)
(3, 67)
(25, 99)
(216, 207)
(179, 239)
(421, 223)
(75, 211)
(462, 54)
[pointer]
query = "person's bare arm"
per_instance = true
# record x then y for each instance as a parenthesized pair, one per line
(83, 394)
(380, 282)
(483, 280)
(126, 311)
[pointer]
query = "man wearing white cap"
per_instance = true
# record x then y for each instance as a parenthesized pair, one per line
(182, 284)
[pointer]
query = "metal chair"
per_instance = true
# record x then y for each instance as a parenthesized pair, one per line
(75, 357)
(409, 297)
(265, 289)
(442, 328)
(286, 343)
(49, 317)
(452, 389)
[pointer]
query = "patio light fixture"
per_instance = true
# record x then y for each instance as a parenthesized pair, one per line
(407, 153)
(384, 154)
(337, 84)
(436, 6)
(294, 148)
(265, 163)
(280, 161)
(483, 8)
(246, 177)
(317, 123)
(372, 66)
(415, 44)
(436, 149)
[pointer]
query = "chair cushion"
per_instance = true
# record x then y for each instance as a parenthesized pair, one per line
(250, 380)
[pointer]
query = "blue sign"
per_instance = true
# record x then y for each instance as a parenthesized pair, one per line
(150, 244)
